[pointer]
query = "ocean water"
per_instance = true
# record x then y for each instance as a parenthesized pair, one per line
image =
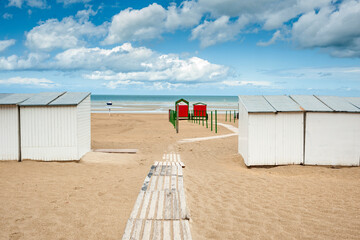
(157, 103)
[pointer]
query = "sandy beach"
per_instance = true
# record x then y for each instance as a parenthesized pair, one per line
(93, 198)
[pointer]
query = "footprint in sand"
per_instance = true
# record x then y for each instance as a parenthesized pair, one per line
(19, 220)
(16, 235)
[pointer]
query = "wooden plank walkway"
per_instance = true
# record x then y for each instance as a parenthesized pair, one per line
(133, 151)
(173, 157)
(160, 210)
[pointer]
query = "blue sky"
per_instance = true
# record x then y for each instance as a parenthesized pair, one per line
(207, 47)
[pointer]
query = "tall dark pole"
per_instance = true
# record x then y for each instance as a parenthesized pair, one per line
(177, 118)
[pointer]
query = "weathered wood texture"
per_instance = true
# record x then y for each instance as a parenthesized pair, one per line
(160, 210)
(133, 151)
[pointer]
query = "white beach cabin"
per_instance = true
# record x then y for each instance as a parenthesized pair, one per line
(10, 125)
(332, 130)
(55, 126)
(270, 130)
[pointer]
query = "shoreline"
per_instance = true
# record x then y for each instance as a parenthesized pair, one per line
(220, 112)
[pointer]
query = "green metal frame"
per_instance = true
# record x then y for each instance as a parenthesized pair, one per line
(172, 119)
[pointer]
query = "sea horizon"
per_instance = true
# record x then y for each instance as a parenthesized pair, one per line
(157, 103)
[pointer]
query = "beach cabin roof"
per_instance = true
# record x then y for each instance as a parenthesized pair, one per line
(4, 94)
(200, 103)
(354, 101)
(255, 104)
(14, 99)
(70, 98)
(338, 104)
(42, 99)
(310, 103)
(181, 100)
(283, 103)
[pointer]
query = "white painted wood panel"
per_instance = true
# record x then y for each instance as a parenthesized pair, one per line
(332, 139)
(49, 133)
(262, 148)
(289, 138)
(243, 140)
(9, 133)
(83, 127)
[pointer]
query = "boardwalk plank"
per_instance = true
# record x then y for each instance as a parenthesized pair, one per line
(173, 169)
(153, 183)
(147, 179)
(176, 209)
(186, 230)
(167, 230)
(160, 183)
(138, 202)
(160, 208)
(167, 183)
(147, 230)
(180, 171)
(176, 230)
(154, 201)
(168, 170)
(128, 228)
(137, 229)
(158, 169)
(163, 169)
(173, 182)
(157, 230)
(168, 202)
(145, 205)
(133, 151)
(180, 183)
(183, 209)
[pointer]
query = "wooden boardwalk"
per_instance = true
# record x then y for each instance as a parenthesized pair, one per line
(160, 210)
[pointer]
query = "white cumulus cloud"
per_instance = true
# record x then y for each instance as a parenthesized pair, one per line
(34, 82)
(7, 16)
(120, 58)
(220, 30)
(166, 68)
(31, 62)
(30, 3)
(4, 44)
(132, 24)
(223, 20)
(277, 35)
(68, 2)
(16, 3)
(122, 63)
(150, 22)
(335, 29)
(235, 83)
(116, 84)
(64, 34)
